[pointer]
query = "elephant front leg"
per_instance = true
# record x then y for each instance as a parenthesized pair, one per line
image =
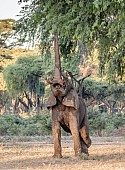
(56, 131)
(75, 133)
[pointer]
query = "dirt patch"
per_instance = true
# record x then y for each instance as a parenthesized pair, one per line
(105, 154)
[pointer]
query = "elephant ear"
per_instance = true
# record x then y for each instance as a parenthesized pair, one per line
(51, 101)
(71, 99)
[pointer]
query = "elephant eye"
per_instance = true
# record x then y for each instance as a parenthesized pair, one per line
(57, 86)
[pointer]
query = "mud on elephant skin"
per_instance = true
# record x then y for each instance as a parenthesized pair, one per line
(68, 112)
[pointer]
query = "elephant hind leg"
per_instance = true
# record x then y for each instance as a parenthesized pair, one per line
(84, 136)
(75, 133)
(84, 148)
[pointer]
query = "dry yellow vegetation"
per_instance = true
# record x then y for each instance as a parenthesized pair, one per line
(108, 155)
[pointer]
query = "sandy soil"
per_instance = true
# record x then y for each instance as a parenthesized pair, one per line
(105, 154)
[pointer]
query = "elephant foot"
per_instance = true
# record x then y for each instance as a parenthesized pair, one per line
(85, 151)
(84, 147)
(57, 156)
(78, 153)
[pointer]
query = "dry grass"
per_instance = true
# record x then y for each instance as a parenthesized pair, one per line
(38, 156)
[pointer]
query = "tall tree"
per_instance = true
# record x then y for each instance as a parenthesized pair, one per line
(23, 80)
(96, 23)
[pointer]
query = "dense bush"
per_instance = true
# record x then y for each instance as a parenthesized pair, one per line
(37, 125)
(101, 123)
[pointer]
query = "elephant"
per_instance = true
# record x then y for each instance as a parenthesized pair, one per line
(69, 112)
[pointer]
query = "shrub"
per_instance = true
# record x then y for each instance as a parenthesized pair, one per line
(37, 125)
(102, 123)
(3, 126)
(97, 122)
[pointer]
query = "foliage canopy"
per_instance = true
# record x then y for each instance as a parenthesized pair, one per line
(97, 24)
(24, 76)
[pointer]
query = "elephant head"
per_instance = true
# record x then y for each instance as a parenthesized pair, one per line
(63, 92)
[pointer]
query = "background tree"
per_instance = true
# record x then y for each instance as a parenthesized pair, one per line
(108, 98)
(96, 24)
(6, 29)
(24, 84)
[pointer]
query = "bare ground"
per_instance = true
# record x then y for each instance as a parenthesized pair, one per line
(105, 154)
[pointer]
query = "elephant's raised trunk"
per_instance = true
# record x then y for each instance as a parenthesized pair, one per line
(57, 73)
(57, 70)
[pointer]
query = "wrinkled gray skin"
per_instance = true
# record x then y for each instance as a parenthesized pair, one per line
(68, 112)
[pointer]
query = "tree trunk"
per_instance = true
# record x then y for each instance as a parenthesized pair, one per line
(2, 109)
(38, 104)
(15, 104)
(24, 104)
